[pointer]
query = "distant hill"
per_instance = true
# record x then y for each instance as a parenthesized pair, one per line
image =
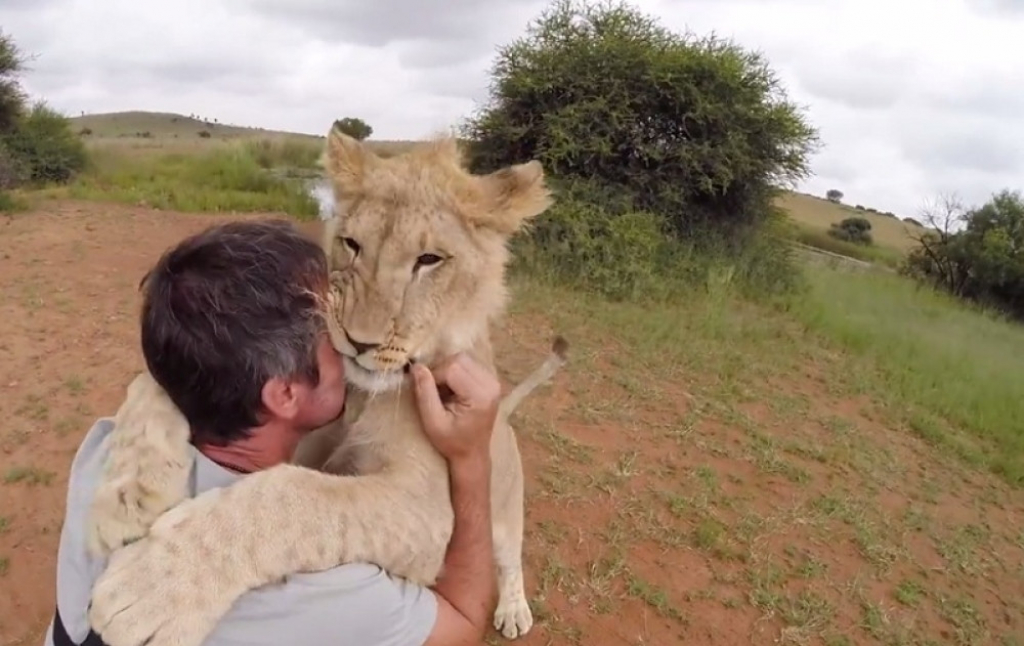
(818, 213)
(137, 126)
(165, 124)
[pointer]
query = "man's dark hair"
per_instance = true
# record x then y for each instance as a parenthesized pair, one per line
(225, 311)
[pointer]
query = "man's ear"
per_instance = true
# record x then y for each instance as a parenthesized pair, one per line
(280, 398)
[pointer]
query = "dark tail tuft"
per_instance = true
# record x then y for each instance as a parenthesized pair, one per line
(560, 347)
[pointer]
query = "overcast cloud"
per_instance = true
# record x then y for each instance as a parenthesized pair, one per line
(911, 97)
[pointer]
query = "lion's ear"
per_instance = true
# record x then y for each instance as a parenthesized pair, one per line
(513, 195)
(347, 162)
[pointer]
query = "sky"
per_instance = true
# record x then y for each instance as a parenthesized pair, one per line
(912, 98)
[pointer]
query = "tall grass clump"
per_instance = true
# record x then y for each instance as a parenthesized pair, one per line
(667, 151)
(289, 154)
(221, 180)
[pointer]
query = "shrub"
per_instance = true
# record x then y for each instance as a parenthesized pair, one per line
(612, 250)
(596, 239)
(856, 230)
(47, 146)
(13, 171)
(38, 144)
(354, 127)
(982, 261)
(695, 130)
(204, 134)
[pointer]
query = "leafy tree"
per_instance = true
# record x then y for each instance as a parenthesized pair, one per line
(12, 100)
(834, 195)
(695, 130)
(37, 144)
(856, 230)
(354, 127)
(976, 254)
(12, 97)
(50, 149)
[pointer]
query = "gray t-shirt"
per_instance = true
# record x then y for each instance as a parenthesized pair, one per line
(351, 604)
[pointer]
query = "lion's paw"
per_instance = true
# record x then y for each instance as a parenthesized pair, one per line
(121, 513)
(513, 617)
(147, 468)
(161, 590)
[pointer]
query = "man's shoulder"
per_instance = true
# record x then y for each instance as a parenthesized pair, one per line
(87, 465)
(359, 601)
(93, 442)
(76, 567)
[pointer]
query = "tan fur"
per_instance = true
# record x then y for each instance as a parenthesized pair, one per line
(173, 584)
(147, 468)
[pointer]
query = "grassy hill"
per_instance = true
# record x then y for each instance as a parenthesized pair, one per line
(818, 213)
(142, 130)
(155, 132)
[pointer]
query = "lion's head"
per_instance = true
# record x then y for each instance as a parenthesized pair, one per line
(417, 252)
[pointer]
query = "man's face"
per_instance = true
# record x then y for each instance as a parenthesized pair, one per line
(322, 404)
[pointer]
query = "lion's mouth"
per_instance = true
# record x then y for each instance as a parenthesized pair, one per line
(352, 363)
(372, 381)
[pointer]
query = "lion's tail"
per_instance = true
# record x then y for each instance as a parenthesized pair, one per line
(544, 372)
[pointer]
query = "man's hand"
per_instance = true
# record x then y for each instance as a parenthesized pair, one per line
(459, 425)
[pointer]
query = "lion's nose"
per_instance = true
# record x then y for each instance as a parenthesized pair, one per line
(361, 347)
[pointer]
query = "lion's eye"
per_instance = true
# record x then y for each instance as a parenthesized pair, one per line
(428, 259)
(351, 244)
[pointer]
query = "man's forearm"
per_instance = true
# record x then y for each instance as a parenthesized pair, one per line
(468, 578)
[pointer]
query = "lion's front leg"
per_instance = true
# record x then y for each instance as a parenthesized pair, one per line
(512, 615)
(147, 467)
(173, 586)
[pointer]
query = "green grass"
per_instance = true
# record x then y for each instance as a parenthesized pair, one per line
(717, 375)
(942, 365)
(290, 154)
(236, 178)
(9, 203)
(28, 475)
(947, 372)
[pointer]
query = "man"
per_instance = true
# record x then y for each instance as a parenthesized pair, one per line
(231, 331)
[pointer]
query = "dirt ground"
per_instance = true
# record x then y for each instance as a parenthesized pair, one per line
(654, 517)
